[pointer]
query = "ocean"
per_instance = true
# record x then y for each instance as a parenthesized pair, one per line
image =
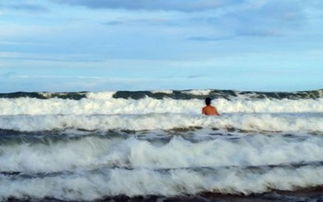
(157, 146)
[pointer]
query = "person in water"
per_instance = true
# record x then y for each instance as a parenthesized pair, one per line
(209, 109)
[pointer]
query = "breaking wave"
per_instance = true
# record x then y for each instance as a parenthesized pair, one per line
(248, 122)
(105, 103)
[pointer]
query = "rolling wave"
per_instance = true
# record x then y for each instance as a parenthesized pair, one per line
(92, 152)
(173, 94)
(105, 104)
(241, 122)
(143, 182)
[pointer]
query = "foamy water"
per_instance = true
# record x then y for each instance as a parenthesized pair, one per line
(106, 105)
(101, 146)
(275, 122)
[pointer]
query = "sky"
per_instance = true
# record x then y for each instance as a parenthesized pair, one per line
(108, 45)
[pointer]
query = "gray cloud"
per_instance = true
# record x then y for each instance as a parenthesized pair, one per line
(114, 22)
(210, 38)
(26, 7)
(245, 33)
(238, 17)
(272, 18)
(7, 75)
(151, 22)
(196, 76)
(178, 5)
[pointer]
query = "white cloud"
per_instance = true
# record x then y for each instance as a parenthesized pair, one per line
(178, 5)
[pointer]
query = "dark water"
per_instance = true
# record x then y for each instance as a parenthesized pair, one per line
(175, 94)
(310, 195)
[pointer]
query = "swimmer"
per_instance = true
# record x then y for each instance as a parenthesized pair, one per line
(209, 109)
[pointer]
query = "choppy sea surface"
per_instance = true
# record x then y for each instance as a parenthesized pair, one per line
(157, 146)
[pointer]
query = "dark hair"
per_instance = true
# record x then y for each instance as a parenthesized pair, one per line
(207, 101)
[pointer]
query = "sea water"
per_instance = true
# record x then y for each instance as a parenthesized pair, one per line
(94, 146)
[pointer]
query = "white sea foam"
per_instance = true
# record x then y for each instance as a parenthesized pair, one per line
(198, 92)
(103, 103)
(96, 185)
(163, 91)
(99, 95)
(306, 122)
(95, 152)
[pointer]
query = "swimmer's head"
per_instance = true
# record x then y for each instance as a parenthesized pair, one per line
(207, 101)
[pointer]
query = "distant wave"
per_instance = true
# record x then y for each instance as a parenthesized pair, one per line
(174, 94)
(226, 94)
(45, 95)
(105, 103)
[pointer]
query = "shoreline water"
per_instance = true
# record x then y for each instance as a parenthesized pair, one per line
(307, 194)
